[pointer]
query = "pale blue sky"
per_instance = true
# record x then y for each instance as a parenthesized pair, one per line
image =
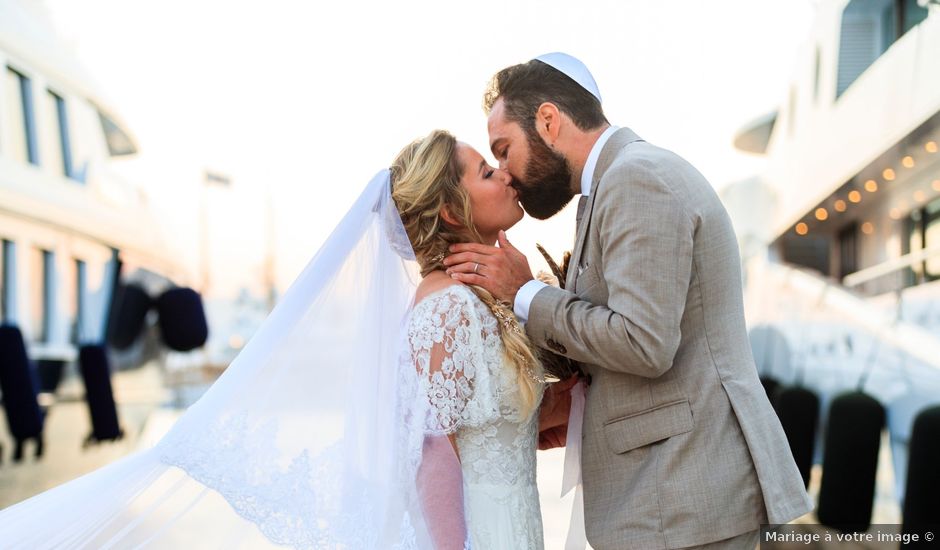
(309, 100)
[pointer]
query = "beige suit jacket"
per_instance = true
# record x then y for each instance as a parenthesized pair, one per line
(680, 445)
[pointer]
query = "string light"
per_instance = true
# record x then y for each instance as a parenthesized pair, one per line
(855, 196)
(802, 228)
(868, 228)
(888, 174)
(908, 161)
(931, 146)
(821, 214)
(839, 205)
(871, 186)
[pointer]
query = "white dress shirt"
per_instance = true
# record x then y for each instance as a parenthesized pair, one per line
(527, 293)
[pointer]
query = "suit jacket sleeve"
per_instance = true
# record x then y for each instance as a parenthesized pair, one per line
(645, 235)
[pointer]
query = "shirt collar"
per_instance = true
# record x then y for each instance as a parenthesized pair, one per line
(587, 175)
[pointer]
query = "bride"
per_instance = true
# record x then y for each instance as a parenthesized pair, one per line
(381, 405)
(472, 358)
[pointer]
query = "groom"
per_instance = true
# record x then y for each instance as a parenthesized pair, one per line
(680, 445)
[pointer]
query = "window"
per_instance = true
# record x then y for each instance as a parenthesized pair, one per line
(909, 14)
(24, 146)
(78, 305)
(9, 282)
(848, 250)
(859, 43)
(868, 29)
(931, 217)
(119, 142)
(3, 285)
(57, 147)
(922, 231)
(6, 282)
(913, 241)
(42, 295)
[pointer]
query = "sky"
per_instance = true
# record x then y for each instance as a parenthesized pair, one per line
(300, 103)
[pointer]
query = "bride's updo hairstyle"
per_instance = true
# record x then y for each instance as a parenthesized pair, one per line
(425, 178)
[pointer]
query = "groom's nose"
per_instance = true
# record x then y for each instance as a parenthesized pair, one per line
(505, 176)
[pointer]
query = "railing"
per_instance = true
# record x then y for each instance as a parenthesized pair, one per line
(807, 291)
(871, 273)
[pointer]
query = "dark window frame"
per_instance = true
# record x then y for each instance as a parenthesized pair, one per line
(65, 143)
(29, 116)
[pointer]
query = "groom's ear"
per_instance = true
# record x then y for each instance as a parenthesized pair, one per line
(547, 122)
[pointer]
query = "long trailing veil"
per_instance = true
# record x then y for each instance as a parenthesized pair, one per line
(312, 438)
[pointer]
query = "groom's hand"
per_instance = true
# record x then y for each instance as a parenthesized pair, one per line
(502, 270)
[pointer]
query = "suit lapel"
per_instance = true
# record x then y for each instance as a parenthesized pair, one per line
(574, 265)
(618, 141)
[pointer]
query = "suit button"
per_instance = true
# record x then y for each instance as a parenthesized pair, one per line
(556, 347)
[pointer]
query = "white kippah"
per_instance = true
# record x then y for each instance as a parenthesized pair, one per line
(574, 69)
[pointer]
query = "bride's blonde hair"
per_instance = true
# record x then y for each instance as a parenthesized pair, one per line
(425, 180)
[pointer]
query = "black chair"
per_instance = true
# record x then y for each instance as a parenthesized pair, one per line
(922, 495)
(850, 462)
(182, 320)
(798, 411)
(131, 304)
(50, 374)
(17, 383)
(96, 373)
(770, 386)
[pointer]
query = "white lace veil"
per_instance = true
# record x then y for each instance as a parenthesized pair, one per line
(312, 438)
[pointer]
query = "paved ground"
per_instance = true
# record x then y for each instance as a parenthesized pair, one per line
(146, 410)
(137, 392)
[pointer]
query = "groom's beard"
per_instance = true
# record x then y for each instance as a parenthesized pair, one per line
(546, 187)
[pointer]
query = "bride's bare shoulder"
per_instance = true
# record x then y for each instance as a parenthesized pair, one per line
(434, 282)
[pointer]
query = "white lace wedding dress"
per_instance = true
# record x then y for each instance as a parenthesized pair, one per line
(457, 351)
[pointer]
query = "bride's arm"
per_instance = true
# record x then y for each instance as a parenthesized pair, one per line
(444, 367)
(440, 488)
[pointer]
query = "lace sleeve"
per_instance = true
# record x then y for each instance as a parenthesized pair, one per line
(446, 345)
(444, 338)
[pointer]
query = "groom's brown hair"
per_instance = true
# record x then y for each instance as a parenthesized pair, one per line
(525, 86)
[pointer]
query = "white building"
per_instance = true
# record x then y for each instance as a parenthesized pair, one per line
(841, 232)
(66, 220)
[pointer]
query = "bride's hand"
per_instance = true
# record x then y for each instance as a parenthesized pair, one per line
(553, 438)
(554, 412)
